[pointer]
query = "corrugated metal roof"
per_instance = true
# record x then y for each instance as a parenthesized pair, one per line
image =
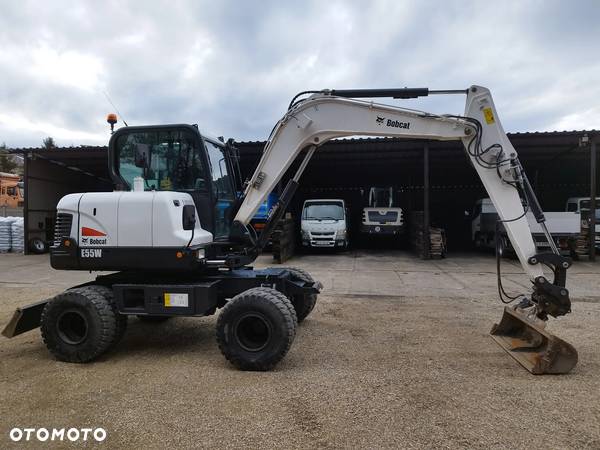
(94, 148)
(520, 134)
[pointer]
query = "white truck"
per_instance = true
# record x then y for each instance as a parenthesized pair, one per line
(381, 216)
(324, 223)
(564, 227)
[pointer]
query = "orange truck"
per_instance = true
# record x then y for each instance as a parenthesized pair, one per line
(11, 194)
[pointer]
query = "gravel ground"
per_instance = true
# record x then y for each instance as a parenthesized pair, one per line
(396, 354)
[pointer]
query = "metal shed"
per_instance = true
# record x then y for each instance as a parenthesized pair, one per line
(434, 177)
(49, 174)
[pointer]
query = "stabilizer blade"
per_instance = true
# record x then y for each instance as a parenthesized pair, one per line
(24, 319)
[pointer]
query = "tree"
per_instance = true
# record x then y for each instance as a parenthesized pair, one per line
(49, 143)
(7, 164)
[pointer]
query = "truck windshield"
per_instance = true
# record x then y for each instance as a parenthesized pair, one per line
(381, 197)
(323, 211)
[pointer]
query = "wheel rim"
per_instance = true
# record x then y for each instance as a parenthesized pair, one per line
(252, 332)
(72, 327)
(39, 245)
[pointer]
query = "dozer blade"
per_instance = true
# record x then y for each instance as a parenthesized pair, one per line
(535, 349)
(24, 319)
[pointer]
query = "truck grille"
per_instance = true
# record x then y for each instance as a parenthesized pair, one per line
(389, 216)
(62, 228)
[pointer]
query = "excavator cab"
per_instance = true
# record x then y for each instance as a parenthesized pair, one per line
(178, 158)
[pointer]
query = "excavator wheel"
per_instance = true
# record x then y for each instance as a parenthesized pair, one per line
(79, 325)
(304, 303)
(256, 328)
(533, 347)
(121, 319)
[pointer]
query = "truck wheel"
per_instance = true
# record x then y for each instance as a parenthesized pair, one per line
(303, 303)
(121, 319)
(79, 325)
(256, 329)
(37, 246)
(153, 319)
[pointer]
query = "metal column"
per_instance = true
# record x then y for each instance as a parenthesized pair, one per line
(26, 162)
(592, 233)
(426, 219)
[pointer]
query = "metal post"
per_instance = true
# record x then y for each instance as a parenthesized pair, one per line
(592, 232)
(426, 221)
(26, 168)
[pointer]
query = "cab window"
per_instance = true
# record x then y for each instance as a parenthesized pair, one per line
(221, 180)
(166, 160)
(222, 188)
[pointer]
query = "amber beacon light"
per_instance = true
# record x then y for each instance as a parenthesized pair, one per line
(112, 119)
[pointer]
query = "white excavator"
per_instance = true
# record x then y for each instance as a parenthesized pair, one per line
(176, 236)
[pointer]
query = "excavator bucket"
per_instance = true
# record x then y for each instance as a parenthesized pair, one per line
(535, 349)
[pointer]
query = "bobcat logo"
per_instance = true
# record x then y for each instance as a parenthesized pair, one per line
(380, 120)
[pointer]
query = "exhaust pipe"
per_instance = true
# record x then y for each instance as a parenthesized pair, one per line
(535, 349)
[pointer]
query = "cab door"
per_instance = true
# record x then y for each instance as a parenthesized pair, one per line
(222, 188)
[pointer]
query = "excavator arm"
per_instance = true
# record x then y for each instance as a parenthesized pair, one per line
(331, 114)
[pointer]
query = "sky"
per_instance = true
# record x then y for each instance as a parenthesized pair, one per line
(233, 66)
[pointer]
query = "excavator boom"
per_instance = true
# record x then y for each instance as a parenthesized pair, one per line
(330, 114)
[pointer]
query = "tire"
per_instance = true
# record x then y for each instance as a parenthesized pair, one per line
(37, 246)
(121, 319)
(303, 303)
(153, 319)
(79, 325)
(287, 302)
(256, 328)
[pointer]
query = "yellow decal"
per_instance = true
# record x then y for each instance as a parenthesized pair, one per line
(489, 115)
(167, 299)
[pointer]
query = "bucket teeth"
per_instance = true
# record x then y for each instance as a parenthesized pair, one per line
(535, 349)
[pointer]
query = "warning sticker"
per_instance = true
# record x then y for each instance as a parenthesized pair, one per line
(176, 300)
(489, 115)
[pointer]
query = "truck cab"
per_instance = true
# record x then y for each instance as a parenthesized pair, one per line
(324, 223)
(382, 216)
(564, 227)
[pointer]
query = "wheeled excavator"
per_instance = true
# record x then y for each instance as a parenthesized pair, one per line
(176, 238)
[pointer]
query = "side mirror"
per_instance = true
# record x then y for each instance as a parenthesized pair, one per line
(189, 217)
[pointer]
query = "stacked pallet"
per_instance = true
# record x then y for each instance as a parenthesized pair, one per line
(582, 243)
(435, 247)
(284, 239)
